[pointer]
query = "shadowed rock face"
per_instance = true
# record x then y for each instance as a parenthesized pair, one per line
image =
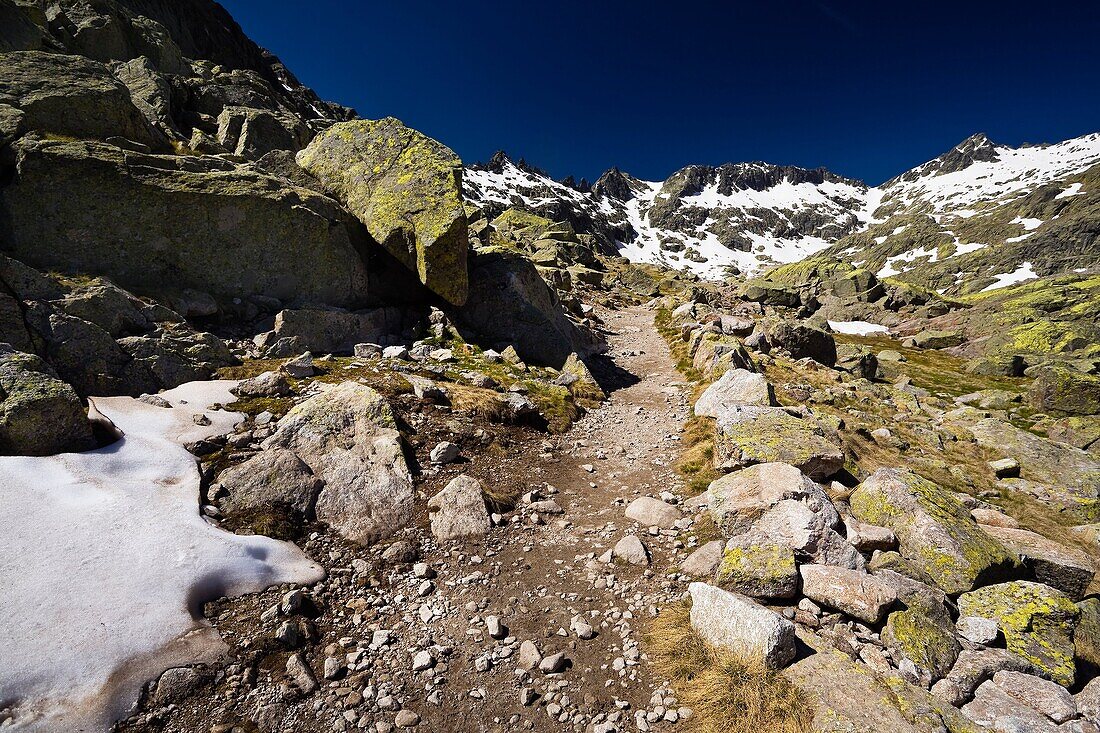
(152, 221)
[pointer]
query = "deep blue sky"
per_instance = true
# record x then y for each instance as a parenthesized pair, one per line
(867, 89)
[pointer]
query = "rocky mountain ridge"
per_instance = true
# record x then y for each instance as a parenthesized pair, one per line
(988, 208)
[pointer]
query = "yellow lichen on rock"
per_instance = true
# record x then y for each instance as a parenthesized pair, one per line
(406, 188)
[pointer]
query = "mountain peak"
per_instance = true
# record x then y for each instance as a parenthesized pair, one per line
(615, 184)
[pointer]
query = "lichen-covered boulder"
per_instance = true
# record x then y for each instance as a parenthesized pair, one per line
(39, 414)
(348, 437)
(924, 634)
(1060, 388)
(1086, 638)
(273, 480)
(767, 435)
(755, 567)
(1037, 621)
(406, 188)
(935, 531)
(1079, 431)
(847, 696)
(576, 375)
(933, 339)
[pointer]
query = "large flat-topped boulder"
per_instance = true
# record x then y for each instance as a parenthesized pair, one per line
(154, 222)
(406, 188)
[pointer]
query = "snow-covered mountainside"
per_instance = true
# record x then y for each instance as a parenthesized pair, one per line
(702, 218)
(983, 216)
(977, 200)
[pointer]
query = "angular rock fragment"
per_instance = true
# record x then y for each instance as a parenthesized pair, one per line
(729, 621)
(853, 592)
(458, 511)
(347, 435)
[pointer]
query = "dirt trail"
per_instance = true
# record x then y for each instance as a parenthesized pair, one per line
(548, 574)
(411, 644)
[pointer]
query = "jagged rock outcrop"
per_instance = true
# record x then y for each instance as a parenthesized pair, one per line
(510, 304)
(101, 339)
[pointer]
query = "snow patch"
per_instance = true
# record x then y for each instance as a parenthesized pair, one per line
(1021, 273)
(890, 267)
(1073, 190)
(857, 328)
(107, 561)
(1028, 224)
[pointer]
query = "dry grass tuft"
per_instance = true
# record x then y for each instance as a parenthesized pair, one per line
(727, 695)
(477, 401)
(696, 461)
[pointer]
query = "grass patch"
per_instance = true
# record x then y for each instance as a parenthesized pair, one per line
(935, 370)
(662, 321)
(696, 461)
(727, 694)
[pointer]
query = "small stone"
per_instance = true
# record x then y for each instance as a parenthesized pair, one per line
(300, 674)
(299, 367)
(496, 629)
(422, 660)
(631, 549)
(334, 667)
(529, 655)
(553, 663)
(406, 719)
(978, 630)
(1005, 467)
(444, 452)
